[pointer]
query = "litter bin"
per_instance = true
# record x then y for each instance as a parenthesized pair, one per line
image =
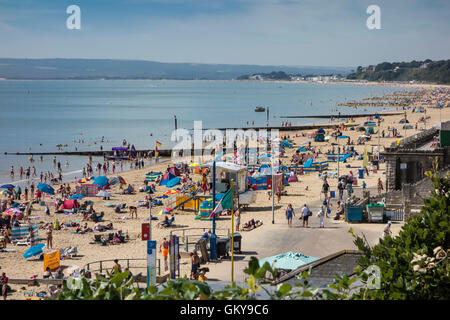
(353, 213)
(237, 240)
(375, 212)
(332, 194)
(361, 173)
(222, 247)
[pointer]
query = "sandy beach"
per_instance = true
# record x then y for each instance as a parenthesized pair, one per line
(314, 241)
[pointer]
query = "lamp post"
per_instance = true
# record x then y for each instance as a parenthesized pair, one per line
(379, 134)
(273, 195)
(212, 239)
(232, 232)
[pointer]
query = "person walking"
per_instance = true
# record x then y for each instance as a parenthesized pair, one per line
(380, 186)
(289, 214)
(4, 285)
(238, 219)
(387, 230)
(325, 188)
(164, 248)
(306, 212)
(341, 187)
(321, 215)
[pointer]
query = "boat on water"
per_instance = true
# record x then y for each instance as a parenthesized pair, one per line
(260, 109)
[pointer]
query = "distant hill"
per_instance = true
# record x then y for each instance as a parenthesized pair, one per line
(427, 71)
(136, 69)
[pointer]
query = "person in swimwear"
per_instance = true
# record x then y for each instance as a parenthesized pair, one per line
(164, 248)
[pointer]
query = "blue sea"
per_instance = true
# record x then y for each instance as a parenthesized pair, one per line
(37, 116)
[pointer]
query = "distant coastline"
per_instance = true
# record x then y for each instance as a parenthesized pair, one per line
(360, 83)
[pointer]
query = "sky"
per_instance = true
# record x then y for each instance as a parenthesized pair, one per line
(263, 32)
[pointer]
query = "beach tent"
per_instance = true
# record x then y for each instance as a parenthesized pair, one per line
(173, 182)
(69, 205)
(174, 170)
(288, 261)
(21, 232)
(101, 181)
(166, 178)
(34, 250)
(308, 163)
(285, 143)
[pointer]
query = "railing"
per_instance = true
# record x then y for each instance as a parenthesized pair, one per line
(104, 265)
(186, 235)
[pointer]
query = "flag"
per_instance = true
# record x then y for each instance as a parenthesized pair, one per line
(225, 203)
(159, 144)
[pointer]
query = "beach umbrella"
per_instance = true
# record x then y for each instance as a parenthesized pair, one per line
(83, 180)
(113, 181)
(288, 260)
(308, 163)
(101, 181)
(6, 192)
(46, 188)
(165, 210)
(34, 250)
(7, 186)
(76, 197)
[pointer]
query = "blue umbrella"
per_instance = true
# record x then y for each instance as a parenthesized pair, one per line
(46, 188)
(76, 197)
(7, 186)
(34, 250)
(101, 181)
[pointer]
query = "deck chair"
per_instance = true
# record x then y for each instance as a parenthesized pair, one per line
(169, 223)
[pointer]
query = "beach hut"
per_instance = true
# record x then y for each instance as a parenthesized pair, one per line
(166, 178)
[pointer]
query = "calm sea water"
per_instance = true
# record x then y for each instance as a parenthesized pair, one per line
(38, 115)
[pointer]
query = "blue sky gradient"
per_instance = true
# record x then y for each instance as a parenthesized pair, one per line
(275, 32)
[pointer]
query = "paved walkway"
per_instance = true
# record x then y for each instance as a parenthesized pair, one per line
(271, 239)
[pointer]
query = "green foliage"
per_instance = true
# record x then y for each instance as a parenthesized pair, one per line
(414, 265)
(430, 71)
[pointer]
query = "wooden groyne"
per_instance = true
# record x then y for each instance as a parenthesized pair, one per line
(168, 152)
